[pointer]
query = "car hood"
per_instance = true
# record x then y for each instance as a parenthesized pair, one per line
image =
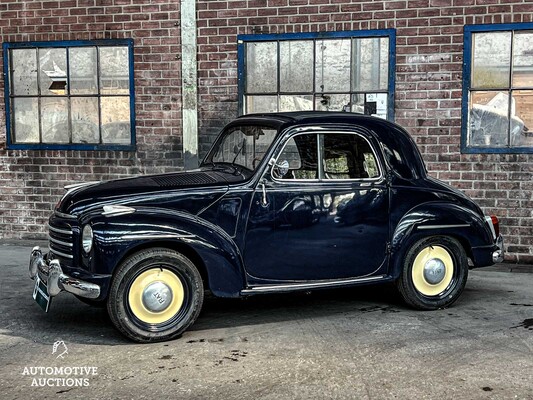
(187, 191)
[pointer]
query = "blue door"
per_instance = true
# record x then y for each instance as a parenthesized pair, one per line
(320, 213)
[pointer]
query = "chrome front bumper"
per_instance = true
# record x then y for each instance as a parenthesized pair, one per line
(497, 255)
(51, 273)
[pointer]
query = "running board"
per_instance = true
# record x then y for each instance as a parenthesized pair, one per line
(309, 286)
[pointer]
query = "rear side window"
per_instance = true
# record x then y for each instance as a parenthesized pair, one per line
(348, 156)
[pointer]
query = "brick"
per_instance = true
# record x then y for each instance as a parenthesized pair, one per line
(428, 90)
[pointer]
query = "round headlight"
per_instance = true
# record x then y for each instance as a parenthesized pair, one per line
(87, 238)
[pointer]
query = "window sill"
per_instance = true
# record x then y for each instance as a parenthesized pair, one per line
(79, 146)
(496, 150)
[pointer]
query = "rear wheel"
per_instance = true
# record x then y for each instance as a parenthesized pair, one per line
(434, 273)
(156, 294)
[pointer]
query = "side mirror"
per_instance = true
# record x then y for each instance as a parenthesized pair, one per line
(281, 168)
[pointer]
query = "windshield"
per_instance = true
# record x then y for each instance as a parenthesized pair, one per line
(243, 145)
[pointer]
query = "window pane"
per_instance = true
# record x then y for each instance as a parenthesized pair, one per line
(522, 121)
(298, 160)
(523, 59)
(83, 70)
(358, 103)
(24, 81)
(53, 71)
(348, 157)
(114, 70)
(116, 126)
(491, 60)
(26, 120)
(84, 120)
(488, 119)
(296, 66)
(332, 102)
(262, 67)
(333, 65)
(54, 120)
(371, 64)
(261, 104)
(376, 104)
(295, 103)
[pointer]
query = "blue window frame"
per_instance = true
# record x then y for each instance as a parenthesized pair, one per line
(72, 95)
(497, 98)
(331, 71)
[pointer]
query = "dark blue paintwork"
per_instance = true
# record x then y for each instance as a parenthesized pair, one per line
(306, 231)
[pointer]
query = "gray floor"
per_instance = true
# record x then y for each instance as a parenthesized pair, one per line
(356, 344)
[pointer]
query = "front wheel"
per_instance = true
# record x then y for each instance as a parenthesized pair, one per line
(156, 295)
(434, 273)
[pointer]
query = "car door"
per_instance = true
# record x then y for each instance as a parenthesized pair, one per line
(321, 211)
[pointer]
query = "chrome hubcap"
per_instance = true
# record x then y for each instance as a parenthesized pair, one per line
(434, 271)
(157, 296)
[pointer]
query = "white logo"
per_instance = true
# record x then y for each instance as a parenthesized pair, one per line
(58, 346)
(60, 376)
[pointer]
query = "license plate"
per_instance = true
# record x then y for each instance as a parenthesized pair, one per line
(40, 294)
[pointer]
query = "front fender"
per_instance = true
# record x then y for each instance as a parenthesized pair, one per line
(116, 237)
(438, 219)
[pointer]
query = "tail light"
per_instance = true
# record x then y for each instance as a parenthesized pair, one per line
(495, 224)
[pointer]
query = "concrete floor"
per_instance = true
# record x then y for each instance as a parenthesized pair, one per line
(355, 344)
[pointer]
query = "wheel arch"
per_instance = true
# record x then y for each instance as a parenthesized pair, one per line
(177, 246)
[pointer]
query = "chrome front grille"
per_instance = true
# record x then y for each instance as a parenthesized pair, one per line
(60, 240)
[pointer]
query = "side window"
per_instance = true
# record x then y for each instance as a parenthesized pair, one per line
(348, 156)
(298, 160)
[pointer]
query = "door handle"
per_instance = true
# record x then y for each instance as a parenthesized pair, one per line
(264, 199)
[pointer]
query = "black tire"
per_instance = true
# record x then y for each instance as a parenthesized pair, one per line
(92, 302)
(176, 268)
(416, 291)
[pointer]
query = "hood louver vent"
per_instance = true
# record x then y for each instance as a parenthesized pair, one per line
(184, 179)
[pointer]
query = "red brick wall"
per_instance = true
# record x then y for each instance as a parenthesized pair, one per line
(32, 181)
(428, 92)
(428, 84)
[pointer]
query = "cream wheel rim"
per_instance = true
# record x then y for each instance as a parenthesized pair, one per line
(432, 270)
(156, 295)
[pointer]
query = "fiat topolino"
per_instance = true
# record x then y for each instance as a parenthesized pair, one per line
(282, 202)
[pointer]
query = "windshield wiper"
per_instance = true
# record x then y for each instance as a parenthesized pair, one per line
(239, 151)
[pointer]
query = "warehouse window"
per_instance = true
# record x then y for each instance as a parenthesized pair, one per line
(70, 95)
(334, 71)
(498, 89)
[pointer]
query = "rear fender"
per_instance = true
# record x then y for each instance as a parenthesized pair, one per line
(438, 219)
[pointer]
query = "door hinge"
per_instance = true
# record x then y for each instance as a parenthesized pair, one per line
(389, 248)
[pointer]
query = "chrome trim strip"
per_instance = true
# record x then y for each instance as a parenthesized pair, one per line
(79, 185)
(114, 211)
(59, 242)
(63, 215)
(155, 236)
(312, 285)
(62, 231)
(58, 253)
(424, 227)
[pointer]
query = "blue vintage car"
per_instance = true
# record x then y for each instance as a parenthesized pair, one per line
(282, 202)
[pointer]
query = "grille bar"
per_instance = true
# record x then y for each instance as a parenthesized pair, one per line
(60, 242)
(62, 231)
(60, 238)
